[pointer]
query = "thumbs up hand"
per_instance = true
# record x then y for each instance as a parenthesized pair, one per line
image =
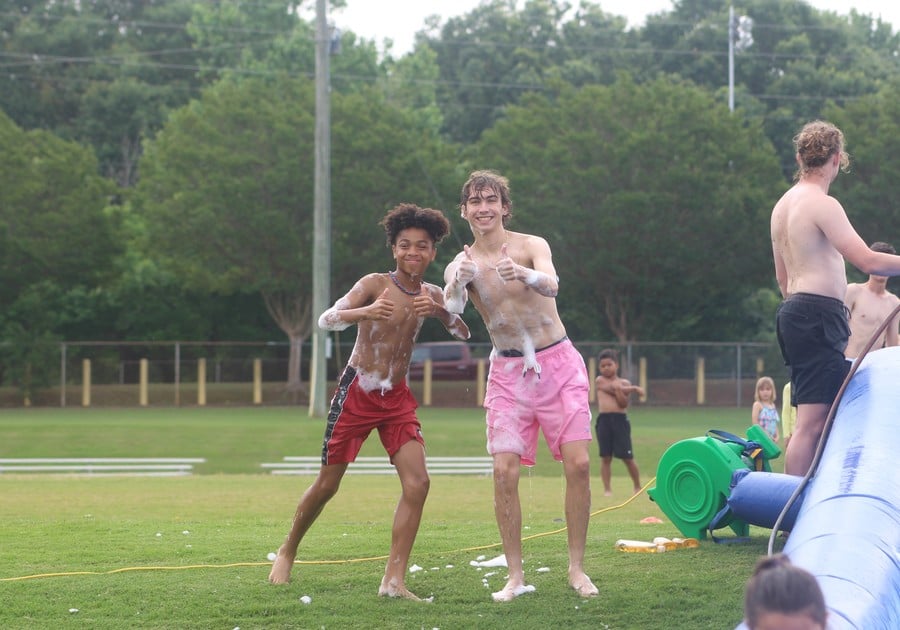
(506, 267)
(383, 307)
(424, 305)
(467, 267)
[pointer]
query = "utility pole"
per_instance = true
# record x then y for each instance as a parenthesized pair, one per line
(731, 29)
(740, 39)
(322, 217)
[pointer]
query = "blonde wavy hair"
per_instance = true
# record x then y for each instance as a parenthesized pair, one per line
(815, 144)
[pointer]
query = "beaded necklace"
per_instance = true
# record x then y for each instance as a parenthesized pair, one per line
(402, 288)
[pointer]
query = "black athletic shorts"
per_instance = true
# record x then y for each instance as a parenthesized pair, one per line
(614, 435)
(812, 332)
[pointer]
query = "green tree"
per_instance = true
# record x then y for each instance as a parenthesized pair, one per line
(116, 117)
(240, 35)
(52, 219)
(411, 83)
(654, 199)
(99, 72)
(29, 350)
(145, 301)
(871, 127)
(799, 60)
(225, 193)
(56, 243)
(494, 54)
(275, 39)
(227, 189)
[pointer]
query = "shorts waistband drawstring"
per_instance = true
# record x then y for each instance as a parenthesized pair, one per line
(518, 353)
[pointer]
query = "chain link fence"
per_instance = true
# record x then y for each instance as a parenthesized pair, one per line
(182, 373)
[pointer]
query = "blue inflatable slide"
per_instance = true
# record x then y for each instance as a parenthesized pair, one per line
(847, 532)
(844, 525)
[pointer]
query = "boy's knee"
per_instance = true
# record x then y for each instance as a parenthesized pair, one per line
(417, 487)
(325, 489)
(505, 475)
(578, 465)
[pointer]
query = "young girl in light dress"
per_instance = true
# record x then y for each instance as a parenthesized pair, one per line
(764, 412)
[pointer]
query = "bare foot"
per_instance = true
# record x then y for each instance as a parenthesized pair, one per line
(393, 588)
(281, 569)
(607, 493)
(511, 591)
(637, 489)
(583, 585)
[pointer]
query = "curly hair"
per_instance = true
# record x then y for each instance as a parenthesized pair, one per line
(409, 215)
(487, 180)
(815, 144)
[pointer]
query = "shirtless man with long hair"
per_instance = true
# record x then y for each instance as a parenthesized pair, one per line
(811, 237)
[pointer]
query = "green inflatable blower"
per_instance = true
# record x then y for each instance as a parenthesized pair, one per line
(693, 479)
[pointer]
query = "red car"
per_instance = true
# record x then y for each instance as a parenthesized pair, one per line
(450, 361)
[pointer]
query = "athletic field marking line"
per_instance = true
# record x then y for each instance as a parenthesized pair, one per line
(309, 465)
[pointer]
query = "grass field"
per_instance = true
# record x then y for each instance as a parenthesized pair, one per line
(190, 552)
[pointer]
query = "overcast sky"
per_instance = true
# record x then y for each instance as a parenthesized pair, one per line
(400, 19)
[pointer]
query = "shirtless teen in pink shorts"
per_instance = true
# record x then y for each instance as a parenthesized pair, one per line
(537, 378)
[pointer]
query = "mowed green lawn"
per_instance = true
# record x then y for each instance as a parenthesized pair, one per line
(190, 552)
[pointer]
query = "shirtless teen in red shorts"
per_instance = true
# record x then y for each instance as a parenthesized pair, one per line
(389, 309)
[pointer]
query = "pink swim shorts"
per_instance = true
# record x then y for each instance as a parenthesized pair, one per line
(555, 399)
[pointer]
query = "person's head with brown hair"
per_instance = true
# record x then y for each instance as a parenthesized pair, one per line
(780, 595)
(816, 144)
(881, 246)
(608, 353)
(484, 183)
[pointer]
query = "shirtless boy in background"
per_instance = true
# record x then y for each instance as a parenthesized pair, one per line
(870, 303)
(613, 427)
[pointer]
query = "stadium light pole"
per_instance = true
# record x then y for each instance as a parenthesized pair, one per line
(322, 215)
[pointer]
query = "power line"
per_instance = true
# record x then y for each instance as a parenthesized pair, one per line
(174, 26)
(28, 61)
(66, 80)
(39, 58)
(34, 58)
(118, 24)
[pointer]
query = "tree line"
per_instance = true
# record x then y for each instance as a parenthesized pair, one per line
(157, 159)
